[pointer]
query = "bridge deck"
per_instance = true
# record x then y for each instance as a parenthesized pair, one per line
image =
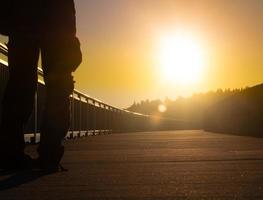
(150, 165)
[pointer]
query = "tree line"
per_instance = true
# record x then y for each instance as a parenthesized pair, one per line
(237, 111)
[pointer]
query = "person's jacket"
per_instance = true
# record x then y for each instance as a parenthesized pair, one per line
(4, 18)
(50, 17)
(53, 22)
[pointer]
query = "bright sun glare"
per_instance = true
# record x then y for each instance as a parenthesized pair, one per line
(181, 59)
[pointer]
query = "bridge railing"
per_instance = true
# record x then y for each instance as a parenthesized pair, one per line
(89, 116)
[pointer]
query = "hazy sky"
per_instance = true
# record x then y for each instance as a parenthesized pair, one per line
(120, 46)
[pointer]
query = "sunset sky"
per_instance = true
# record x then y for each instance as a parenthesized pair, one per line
(123, 44)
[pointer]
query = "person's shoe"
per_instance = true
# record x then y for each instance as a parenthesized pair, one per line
(19, 162)
(48, 167)
(49, 161)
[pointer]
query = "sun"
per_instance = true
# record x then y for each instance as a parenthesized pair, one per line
(181, 59)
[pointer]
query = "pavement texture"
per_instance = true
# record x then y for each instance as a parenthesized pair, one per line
(148, 165)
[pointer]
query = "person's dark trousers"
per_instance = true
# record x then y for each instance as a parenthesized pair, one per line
(56, 117)
(18, 100)
(19, 97)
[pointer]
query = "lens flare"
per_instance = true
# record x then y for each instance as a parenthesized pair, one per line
(162, 108)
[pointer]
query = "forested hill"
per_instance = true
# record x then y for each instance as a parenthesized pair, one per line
(213, 110)
(241, 113)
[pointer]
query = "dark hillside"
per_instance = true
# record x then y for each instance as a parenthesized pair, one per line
(241, 113)
(238, 111)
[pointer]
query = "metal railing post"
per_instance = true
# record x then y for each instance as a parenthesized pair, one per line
(80, 118)
(94, 117)
(72, 117)
(35, 120)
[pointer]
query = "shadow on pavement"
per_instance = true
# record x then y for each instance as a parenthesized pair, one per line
(16, 178)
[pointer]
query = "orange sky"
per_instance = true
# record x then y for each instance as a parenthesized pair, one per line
(120, 40)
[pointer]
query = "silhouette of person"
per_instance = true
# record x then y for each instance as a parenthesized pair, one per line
(47, 27)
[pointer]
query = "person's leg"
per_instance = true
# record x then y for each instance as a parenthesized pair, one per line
(56, 120)
(19, 94)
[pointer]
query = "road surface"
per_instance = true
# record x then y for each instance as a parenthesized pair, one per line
(148, 165)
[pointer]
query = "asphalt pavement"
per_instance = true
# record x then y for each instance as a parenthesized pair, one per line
(190, 164)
